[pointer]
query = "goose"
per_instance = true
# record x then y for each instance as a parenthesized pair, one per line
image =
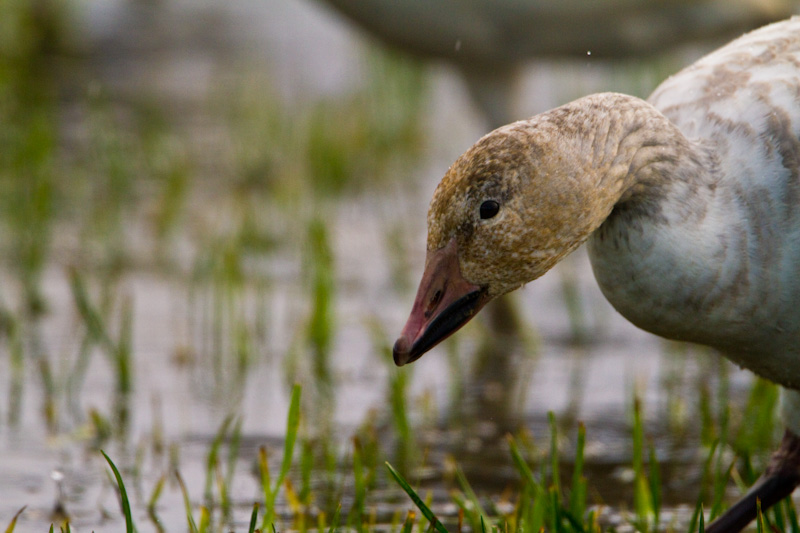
(689, 206)
(489, 41)
(490, 45)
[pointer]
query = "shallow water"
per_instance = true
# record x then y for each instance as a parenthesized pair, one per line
(183, 388)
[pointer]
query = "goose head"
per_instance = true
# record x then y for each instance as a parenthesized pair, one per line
(505, 212)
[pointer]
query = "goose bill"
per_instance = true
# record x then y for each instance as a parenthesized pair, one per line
(445, 301)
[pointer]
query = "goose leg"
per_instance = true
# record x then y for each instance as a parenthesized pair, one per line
(778, 481)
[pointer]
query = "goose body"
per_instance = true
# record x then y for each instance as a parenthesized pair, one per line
(689, 204)
(716, 259)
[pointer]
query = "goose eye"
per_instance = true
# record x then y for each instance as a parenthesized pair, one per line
(489, 208)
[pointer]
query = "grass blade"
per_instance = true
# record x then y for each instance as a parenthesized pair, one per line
(151, 504)
(187, 503)
(212, 458)
(13, 523)
(263, 468)
(697, 515)
(271, 491)
(791, 516)
(156, 494)
(759, 517)
(655, 487)
(472, 497)
(123, 496)
(424, 509)
(253, 519)
(292, 425)
(92, 318)
(555, 509)
(554, 470)
(577, 497)
(779, 523)
(521, 464)
(642, 498)
(233, 451)
(702, 527)
(536, 513)
(408, 525)
(335, 519)
(205, 520)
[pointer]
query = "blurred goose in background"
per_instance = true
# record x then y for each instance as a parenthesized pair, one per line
(489, 41)
(689, 203)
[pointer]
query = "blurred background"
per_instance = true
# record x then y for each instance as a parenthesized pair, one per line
(203, 203)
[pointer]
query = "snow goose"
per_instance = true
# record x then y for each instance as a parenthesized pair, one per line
(689, 204)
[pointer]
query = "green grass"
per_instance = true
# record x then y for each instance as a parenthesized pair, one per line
(348, 142)
(212, 469)
(123, 495)
(544, 503)
(646, 494)
(321, 322)
(412, 494)
(13, 523)
(397, 397)
(271, 486)
(543, 500)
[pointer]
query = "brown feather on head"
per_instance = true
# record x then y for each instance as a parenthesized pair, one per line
(487, 235)
(535, 226)
(515, 204)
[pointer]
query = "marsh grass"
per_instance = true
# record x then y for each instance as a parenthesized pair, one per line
(123, 495)
(469, 503)
(187, 503)
(361, 482)
(332, 146)
(13, 523)
(421, 505)
(647, 497)
(17, 374)
(543, 504)
(214, 475)
(543, 501)
(271, 486)
(398, 394)
(351, 141)
(28, 143)
(225, 317)
(309, 356)
(117, 348)
(29, 211)
(152, 501)
(759, 432)
(321, 322)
